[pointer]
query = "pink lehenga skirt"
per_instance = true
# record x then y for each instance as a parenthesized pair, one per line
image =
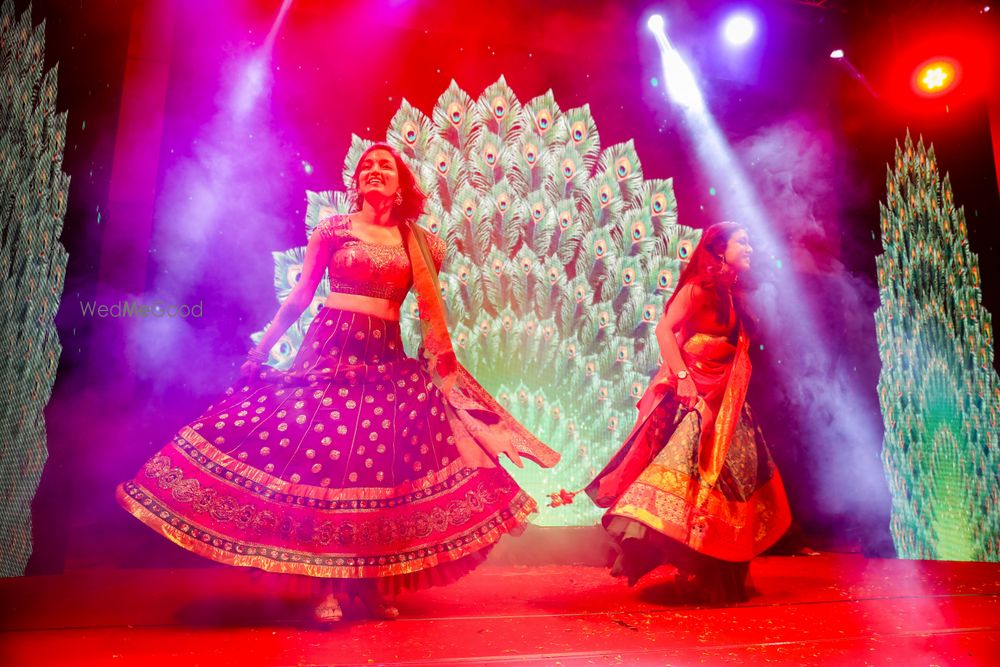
(343, 467)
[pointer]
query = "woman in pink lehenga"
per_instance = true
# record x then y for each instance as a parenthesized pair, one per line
(363, 468)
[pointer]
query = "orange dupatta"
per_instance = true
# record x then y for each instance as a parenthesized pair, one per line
(719, 412)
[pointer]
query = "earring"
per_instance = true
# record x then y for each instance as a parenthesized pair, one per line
(398, 199)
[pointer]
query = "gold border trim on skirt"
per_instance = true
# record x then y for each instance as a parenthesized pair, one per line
(517, 519)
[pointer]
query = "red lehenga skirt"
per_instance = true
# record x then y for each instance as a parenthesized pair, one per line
(665, 507)
(734, 519)
(343, 467)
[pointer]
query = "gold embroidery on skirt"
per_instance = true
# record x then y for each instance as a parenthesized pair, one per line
(195, 539)
(279, 485)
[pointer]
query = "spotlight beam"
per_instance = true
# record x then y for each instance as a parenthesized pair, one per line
(724, 167)
(255, 79)
(843, 61)
(278, 21)
(677, 76)
(714, 152)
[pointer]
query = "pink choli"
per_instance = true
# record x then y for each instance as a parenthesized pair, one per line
(370, 269)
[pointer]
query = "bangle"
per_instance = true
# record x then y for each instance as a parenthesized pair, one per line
(257, 355)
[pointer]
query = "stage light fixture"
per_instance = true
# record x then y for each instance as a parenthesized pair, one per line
(936, 77)
(837, 54)
(739, 29)
(655, 23)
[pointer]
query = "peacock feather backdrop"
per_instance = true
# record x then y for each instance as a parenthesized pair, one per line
(33, 198)
(560, 259)
(939, 391)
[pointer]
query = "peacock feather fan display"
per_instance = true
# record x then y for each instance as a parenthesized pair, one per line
(560, 259)
(938, 389)
(33, 200)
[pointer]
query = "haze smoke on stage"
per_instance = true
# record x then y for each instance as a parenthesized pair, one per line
(794, 166)
(784, 175)
(220, 205)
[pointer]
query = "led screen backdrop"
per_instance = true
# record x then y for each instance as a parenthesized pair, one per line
(33, 191)
(938, 389)
(561, 258)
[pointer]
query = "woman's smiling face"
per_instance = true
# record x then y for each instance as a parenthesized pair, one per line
(378, 173)
(738, 251)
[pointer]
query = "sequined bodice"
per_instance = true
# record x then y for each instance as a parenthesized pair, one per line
(370, 269)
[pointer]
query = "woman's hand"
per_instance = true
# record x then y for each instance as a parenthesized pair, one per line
(446, 364)
(687, 392)
(249, 368)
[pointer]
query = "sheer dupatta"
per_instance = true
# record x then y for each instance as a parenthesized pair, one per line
(483, 428)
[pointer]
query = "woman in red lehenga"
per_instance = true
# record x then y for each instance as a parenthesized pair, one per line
(363, 468)
(694, 484)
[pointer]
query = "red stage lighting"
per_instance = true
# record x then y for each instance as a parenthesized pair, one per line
(936, 77)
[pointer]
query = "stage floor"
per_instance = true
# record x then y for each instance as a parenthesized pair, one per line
(828, 609)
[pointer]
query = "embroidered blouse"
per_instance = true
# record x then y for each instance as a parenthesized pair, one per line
(370, 269)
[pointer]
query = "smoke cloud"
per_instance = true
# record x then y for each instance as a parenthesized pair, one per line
(821, 348)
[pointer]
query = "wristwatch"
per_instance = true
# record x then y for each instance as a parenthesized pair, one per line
(682, 375)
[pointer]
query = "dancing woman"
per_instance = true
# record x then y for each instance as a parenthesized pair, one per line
(360, 467)
(694, 485)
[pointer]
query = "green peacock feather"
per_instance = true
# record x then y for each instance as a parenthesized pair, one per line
(561, 257)
(939, 392)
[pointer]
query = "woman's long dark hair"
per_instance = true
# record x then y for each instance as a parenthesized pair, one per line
(708, 270)
(414, 198)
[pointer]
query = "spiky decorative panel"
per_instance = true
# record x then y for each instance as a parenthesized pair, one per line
(938, 389)
(561, 258)
(33, 191)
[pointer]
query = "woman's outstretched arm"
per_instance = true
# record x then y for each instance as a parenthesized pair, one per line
(316, 260)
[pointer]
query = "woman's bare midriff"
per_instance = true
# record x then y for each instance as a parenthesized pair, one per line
(369, 305)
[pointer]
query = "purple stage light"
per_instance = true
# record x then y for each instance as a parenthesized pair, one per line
(739, 29)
